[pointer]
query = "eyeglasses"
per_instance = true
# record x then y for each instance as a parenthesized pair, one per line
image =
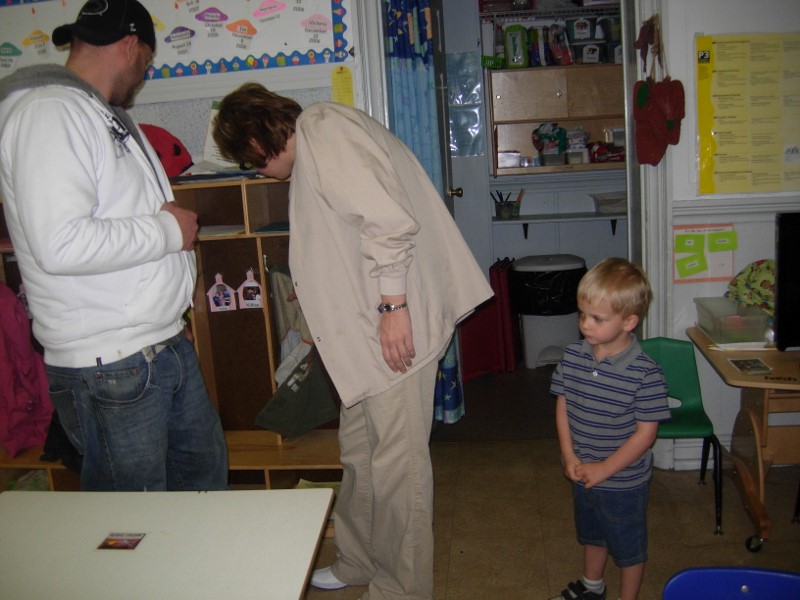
(248, 166)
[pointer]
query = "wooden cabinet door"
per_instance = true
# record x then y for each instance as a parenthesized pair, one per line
(529, 95)
(595, 91)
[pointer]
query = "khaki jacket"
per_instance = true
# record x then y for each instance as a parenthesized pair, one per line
(366, 220)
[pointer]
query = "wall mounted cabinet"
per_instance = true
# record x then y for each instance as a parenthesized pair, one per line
(557, 214)
(590, 97)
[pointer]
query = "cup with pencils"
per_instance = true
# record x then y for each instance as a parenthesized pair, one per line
(505, 208)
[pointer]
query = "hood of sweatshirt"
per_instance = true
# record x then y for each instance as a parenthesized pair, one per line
(37, 76)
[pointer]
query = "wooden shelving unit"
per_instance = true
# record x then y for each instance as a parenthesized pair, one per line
(590, 97)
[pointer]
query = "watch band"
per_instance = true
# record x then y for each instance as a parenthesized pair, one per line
(382, 308)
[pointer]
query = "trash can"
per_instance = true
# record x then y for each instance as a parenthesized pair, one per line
(543, 291)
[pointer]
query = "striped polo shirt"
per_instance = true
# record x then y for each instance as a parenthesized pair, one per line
(605, 400)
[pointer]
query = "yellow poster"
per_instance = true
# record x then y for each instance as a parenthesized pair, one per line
(748, 113)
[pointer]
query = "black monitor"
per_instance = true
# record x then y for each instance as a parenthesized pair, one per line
(786, 322)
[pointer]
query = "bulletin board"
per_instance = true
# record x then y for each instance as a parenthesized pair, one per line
(196, 38)
(748, 113)
(703, 252)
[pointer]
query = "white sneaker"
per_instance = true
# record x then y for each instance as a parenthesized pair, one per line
(324, 579)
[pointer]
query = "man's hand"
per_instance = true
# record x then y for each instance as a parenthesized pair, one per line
(187, 221)
(397, 340)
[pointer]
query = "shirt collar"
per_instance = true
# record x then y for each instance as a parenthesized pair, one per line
(618, 362)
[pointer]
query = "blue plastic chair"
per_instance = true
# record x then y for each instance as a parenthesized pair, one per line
(731, 583)
(689, 420)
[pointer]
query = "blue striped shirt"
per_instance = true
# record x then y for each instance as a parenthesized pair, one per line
(604, 402)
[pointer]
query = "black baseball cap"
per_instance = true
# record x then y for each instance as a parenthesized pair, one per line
(103, 22)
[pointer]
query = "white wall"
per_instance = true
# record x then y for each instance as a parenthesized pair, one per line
(752, 215)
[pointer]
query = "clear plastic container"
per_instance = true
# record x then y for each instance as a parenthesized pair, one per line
(727, 322)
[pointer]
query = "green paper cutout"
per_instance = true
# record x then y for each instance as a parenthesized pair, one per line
(691, 265)
(723, 241)
(692, 243)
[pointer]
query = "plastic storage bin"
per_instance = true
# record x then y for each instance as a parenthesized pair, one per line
(727, 322)
(543, 292)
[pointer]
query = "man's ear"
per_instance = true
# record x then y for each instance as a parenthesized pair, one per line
(129, 43)
(630, 322)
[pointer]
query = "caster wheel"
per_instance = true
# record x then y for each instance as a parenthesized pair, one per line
(754, 543)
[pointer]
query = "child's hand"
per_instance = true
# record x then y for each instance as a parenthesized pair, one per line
(571, 465)
(592, 473)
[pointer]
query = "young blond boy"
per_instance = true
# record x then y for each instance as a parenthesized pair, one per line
(610, 398)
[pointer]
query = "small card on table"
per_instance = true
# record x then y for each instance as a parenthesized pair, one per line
(121, 541)
(750, 366)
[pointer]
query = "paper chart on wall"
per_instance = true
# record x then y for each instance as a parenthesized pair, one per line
(748, 113)
(703, 252)
(194, 37)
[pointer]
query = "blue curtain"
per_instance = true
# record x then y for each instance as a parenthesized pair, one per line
(410, 76)
(412, 117)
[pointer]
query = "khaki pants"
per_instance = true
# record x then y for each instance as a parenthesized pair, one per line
(384, 511)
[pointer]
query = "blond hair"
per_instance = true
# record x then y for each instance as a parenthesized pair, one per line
(623, 284)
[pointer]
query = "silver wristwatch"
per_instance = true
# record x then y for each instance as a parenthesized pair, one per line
(382, 308)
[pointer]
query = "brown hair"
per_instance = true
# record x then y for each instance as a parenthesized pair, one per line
(620, 282)
(250, 114)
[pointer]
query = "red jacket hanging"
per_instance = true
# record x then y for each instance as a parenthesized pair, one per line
(25, 407)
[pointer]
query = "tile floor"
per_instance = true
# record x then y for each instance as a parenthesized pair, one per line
(503, 525)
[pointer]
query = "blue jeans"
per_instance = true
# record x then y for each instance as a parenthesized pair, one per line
(615, 520)
(143, 423)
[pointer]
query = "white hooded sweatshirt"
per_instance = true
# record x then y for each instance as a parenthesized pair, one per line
(82, 193)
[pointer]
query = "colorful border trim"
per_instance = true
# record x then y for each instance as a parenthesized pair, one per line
(296, 58)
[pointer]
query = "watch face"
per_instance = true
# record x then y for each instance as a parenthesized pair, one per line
(382, 308)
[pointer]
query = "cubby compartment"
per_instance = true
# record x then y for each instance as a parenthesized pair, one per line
(267, 208)
(219, 208)
(235, 346)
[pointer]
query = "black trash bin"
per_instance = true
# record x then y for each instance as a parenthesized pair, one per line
(543, 291)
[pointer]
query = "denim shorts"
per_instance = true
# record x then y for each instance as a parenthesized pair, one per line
(615, 520)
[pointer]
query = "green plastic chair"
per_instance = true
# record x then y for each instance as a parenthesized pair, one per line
(689, 420)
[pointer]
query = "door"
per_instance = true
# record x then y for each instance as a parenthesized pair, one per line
(465, 173)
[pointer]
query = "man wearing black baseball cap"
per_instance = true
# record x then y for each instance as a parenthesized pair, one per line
(107, 259)
(103, 22)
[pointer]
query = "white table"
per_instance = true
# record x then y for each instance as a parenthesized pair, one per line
(235, 544)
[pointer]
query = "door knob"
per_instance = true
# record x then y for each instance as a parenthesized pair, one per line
(455, 192)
